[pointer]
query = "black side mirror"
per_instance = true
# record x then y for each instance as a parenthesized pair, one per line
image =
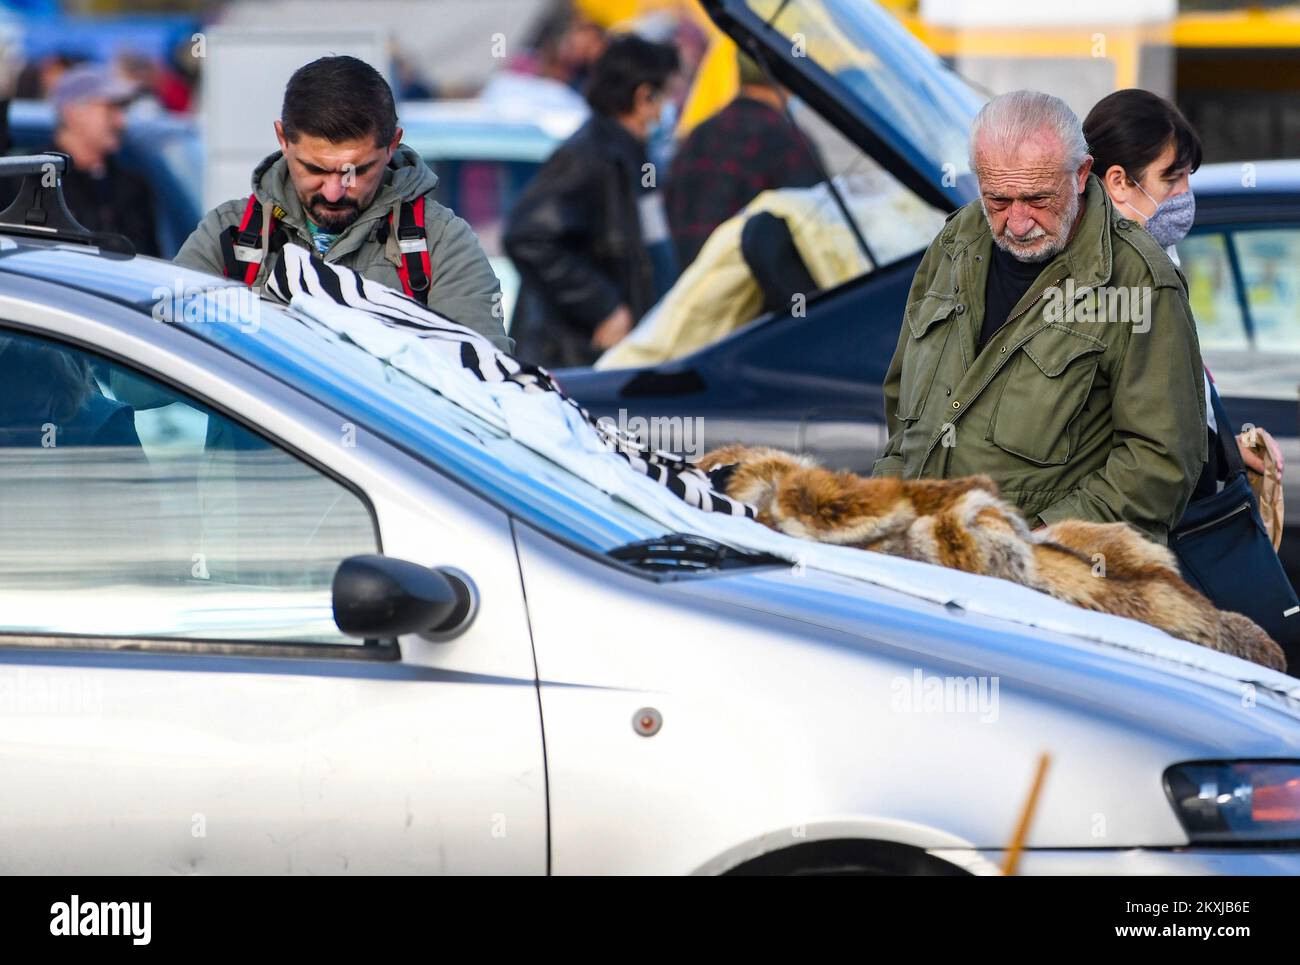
(377, 597)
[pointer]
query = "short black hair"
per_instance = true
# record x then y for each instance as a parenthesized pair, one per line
(1131, 127)
(339, 99)
(628, 62)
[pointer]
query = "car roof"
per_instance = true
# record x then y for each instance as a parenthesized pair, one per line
(437, 427)
(1245, 177)
(137, 281)
(472, 129)
(35, 117)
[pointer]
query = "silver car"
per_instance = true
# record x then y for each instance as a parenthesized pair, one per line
(270, 605)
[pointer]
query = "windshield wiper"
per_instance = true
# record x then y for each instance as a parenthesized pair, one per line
(676, 552)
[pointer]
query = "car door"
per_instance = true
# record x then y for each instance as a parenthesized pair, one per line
(174, 694)
(1243, 283)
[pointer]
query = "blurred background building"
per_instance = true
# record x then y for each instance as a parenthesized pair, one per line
(1232, 67)
(488, 88)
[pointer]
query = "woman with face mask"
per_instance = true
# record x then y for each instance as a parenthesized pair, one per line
(1143, 152)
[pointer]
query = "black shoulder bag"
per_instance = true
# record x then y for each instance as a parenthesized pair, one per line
(1224, 550)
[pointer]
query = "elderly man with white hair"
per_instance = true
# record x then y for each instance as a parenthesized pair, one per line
(1047, 341)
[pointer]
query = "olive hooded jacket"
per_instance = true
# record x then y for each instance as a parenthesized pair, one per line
(1087, 404)
(462, 286)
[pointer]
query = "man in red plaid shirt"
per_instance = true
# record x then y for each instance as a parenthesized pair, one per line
(746, 148)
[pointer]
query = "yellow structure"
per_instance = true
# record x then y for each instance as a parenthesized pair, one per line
(1206, 61)
(715, 82)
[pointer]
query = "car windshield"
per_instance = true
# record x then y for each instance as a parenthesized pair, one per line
(887, 75)
(414, 416)
(361, 387)
(894, 221)
(417, 418)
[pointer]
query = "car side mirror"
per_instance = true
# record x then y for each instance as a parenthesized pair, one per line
(376, 597)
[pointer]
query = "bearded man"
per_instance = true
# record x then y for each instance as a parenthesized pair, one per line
(345, 185)
(1047, 341)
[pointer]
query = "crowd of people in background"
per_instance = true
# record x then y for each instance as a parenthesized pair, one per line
(90, 99)
(601, 233)
(620, 209)
(171, 82)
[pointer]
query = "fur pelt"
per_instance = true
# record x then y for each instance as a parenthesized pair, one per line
(964, 524)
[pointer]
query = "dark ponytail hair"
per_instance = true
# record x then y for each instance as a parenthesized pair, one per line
(1131, 127)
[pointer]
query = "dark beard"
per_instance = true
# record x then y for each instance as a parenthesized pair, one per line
(333, 218)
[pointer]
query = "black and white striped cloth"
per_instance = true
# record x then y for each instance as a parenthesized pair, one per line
(300, 272)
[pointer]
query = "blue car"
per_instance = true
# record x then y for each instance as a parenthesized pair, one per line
(812, 383)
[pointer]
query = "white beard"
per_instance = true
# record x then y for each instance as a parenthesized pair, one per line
(1053, 248)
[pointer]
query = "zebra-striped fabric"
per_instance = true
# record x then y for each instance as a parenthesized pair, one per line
(299, 271)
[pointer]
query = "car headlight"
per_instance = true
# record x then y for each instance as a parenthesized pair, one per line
(1230, 802)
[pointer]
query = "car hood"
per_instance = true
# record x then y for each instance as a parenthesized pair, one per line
(962, 637)
(854, 63)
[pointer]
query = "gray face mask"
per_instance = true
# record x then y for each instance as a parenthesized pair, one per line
(1172, 219)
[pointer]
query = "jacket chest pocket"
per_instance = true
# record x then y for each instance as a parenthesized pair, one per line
(1044, 389)
(930, 331)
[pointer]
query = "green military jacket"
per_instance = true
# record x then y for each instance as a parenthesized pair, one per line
(1087, 404)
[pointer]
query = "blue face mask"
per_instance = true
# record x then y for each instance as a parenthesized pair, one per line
(1171, 220)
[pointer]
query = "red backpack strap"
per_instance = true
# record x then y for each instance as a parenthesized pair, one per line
(413, 241)
(241, 245)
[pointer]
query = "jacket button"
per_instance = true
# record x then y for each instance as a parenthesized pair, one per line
(1123, 224)
(960, 309)
(1002, 350)
(956, 405)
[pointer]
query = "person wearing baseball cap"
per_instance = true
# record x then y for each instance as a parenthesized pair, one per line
(90, 103)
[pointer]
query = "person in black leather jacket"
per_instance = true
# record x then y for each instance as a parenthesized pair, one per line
(578, 233)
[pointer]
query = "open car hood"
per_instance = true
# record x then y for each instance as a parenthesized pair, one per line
(858, 67)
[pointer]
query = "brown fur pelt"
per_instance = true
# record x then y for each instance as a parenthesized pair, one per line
(964, 524)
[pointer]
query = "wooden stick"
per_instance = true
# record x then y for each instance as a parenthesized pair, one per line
(1017, 845)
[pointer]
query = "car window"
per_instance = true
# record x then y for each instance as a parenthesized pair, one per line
(887, 75)
(130, 510)
(894, 221)
(1270, 274)
(1212, 292)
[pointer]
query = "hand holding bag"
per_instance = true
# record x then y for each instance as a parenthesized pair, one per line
(1268, 489)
